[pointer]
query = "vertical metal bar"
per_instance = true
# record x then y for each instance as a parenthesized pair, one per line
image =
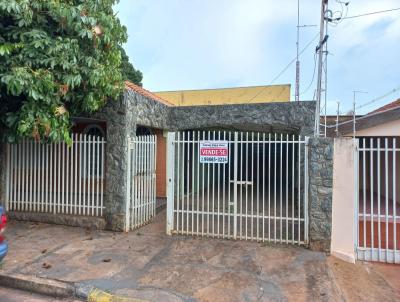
(218, 189)
(22, 154)
(223, 190)
(8, 155)
(263, 186)
(92, 175)
(306, 190)
(75, 144)
(235, 177)
(43, 167)
(146, 178)
(11, 189)
(387, 198)
(98, 146)
(280, 186)
(293, 185)
(198, 180)
(178, 178)
(299, 191)
(241, 186)
(19, 146)
(35, 184)
(379, 198)
(81, 167)
(363, 175)
(202, 195)
(7, 177)
(188, 182)
(252, 187)
(63, 207)
(394, 203)
(171, 180)
(213, 194)
(58, 176)
(136, 182)
(287, 188)
(67, 178)
(275, 143)
(258, 186)
(193, 180)
(128, 201)
(183, 182)
(246, 179)
(51, 179)
(140, 179)
(269, 187)
(208, 192)
(229, 202)
(372, 187)
(28, 150)
(103, 167)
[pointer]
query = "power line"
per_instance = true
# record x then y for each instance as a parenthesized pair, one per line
(313, 76)
(284, 69)
(368, 14)
(377, 99)
(292, 61)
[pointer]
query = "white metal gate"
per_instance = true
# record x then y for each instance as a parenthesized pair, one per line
(238, 185)
(377, 202)
(141, 185)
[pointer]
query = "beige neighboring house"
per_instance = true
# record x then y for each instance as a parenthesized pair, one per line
(224, 96)
(382, 122)
(377, 159)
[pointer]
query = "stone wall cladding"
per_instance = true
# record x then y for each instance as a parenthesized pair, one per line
(320, 171)
(287, 117)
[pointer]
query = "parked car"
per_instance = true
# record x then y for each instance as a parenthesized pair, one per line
(3, 242)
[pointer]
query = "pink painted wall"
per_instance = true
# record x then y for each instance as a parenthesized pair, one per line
(343, 200)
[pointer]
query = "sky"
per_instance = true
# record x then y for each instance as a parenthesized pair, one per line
(199, 44)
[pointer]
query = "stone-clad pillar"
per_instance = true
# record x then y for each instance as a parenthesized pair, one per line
(119, 126)
(320, 171)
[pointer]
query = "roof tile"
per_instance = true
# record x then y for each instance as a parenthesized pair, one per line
(146, 93)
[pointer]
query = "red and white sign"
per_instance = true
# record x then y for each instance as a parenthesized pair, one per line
(213, 152)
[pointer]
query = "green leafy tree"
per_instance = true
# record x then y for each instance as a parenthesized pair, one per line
(128, 71)
(58, 58)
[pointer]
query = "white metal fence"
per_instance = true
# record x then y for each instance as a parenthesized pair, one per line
(141, 186)
(56, 178)
(253, 189)
(378, 204)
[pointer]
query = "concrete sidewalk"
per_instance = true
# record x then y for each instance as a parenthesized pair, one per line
(146, 264)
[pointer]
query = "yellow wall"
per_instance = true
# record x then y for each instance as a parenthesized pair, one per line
(239, 95)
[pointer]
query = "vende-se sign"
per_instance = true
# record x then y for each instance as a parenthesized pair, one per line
(213, 152)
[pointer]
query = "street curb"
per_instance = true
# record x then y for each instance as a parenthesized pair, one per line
(60, 289)
(97, 295)
(38, 285)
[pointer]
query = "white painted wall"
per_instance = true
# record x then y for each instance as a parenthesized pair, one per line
(344, 228)
(387, 129)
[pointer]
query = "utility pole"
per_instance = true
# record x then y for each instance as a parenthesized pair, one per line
(297, 88)
(320, 49)
(354, 110)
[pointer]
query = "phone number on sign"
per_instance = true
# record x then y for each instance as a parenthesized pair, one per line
(213, 159)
